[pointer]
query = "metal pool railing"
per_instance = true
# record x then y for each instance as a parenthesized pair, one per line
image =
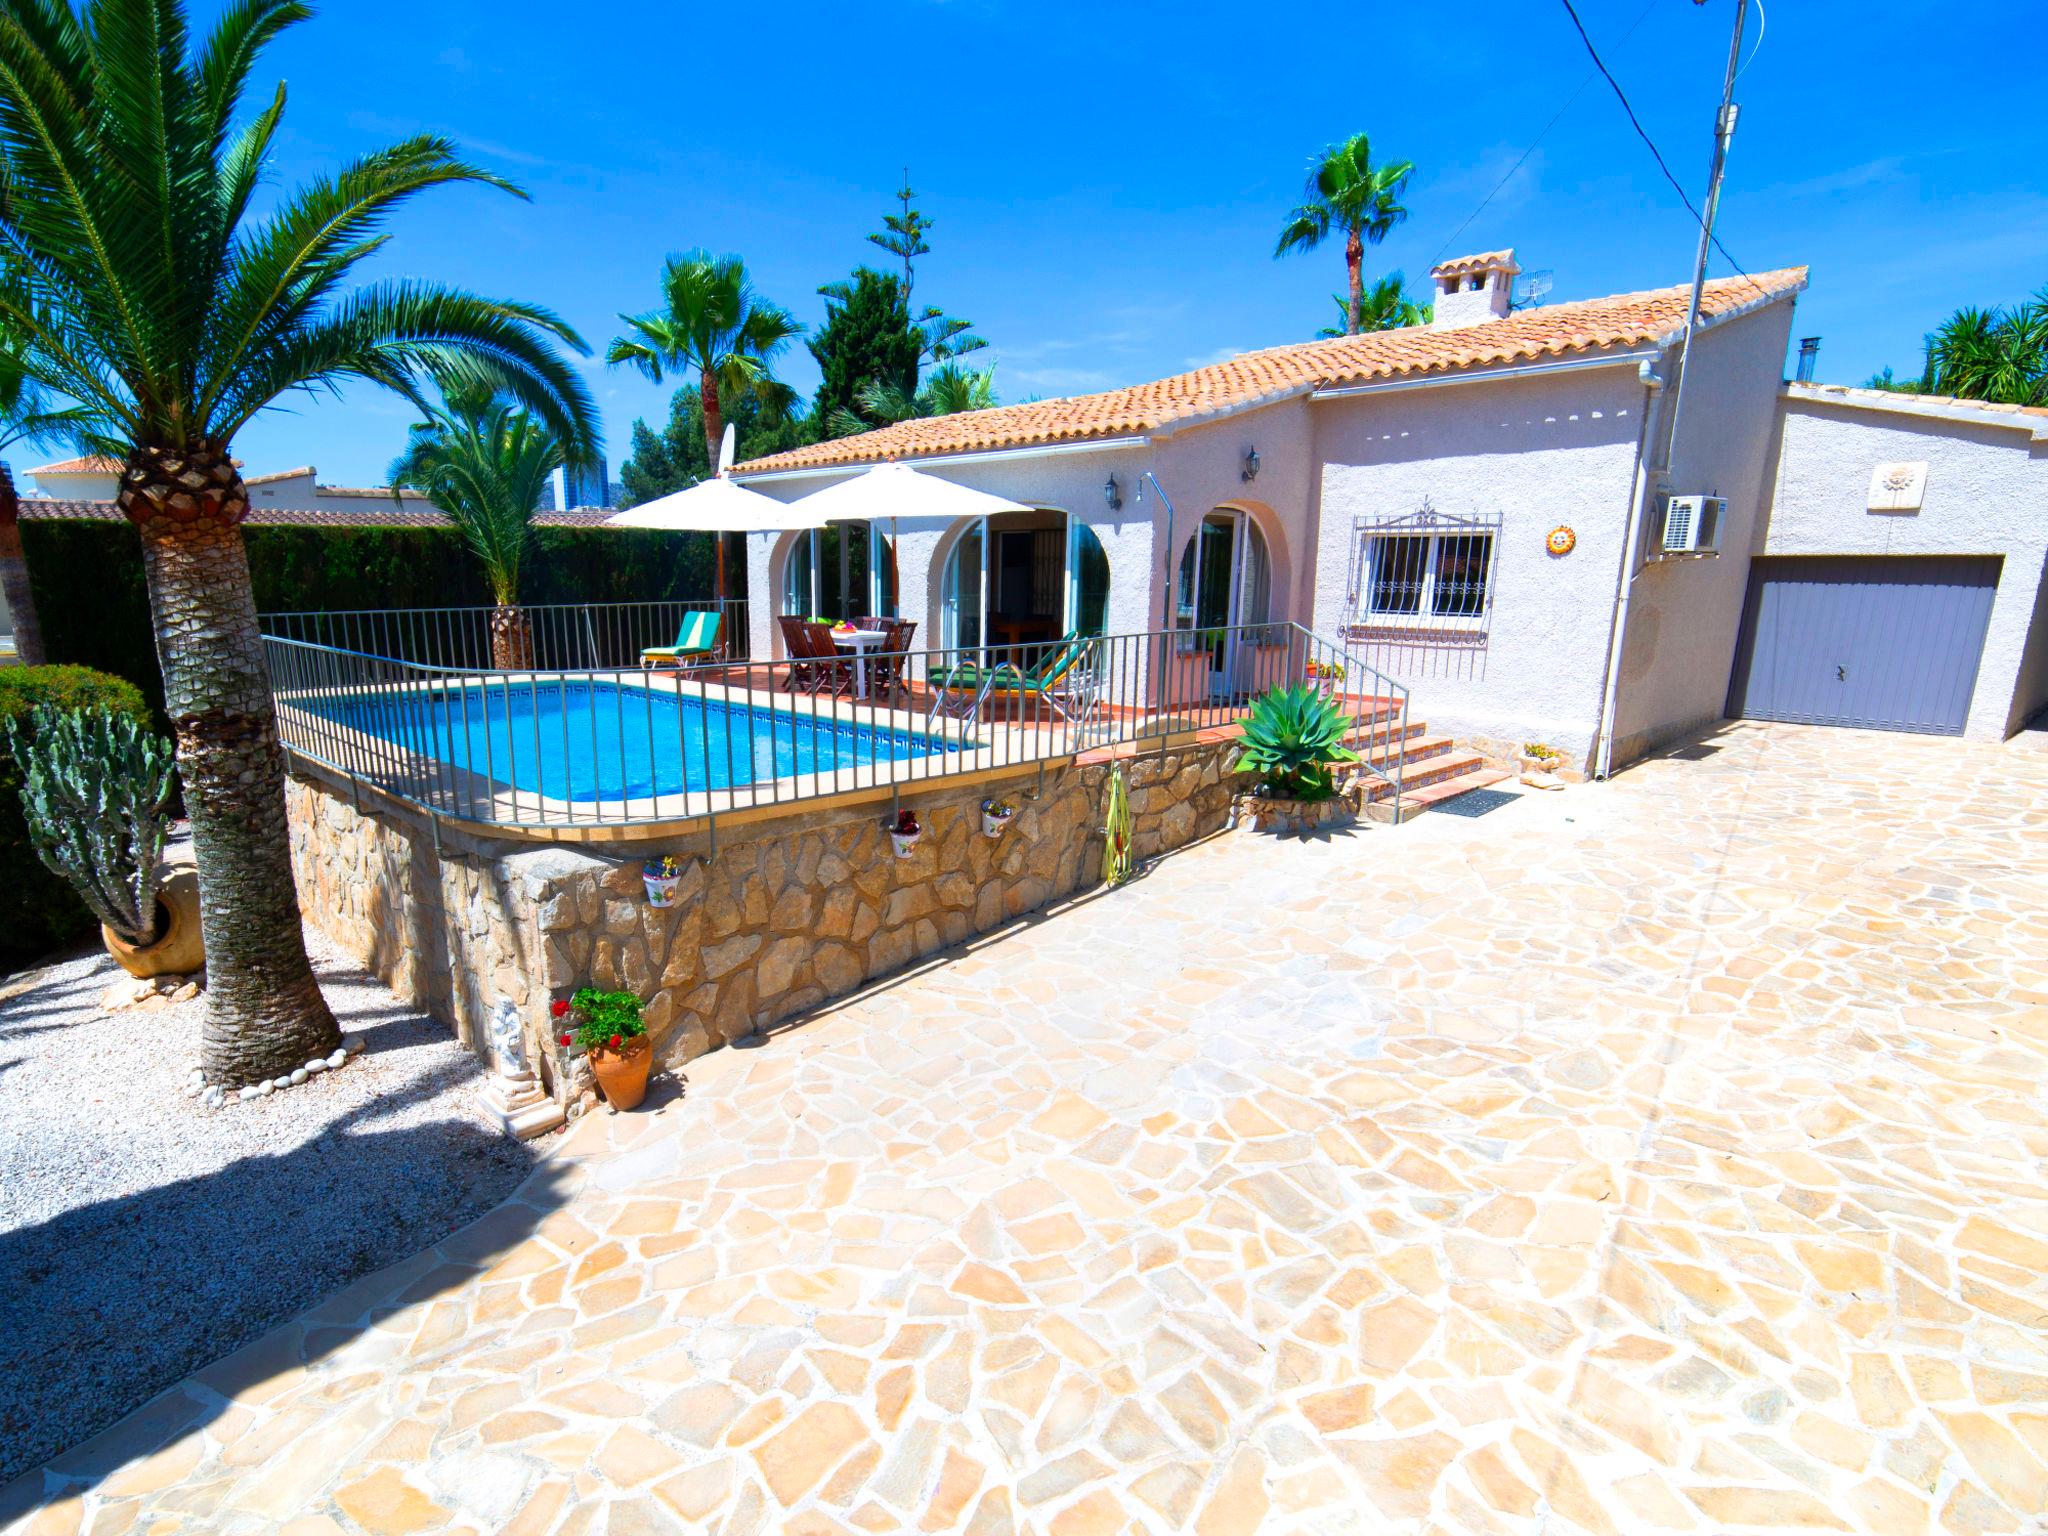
(560, 635)
(586, 746)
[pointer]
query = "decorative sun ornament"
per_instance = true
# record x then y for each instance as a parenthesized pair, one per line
(1561, 541)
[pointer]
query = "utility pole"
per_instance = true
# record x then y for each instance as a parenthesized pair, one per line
(1654, 475)
(1724, 132)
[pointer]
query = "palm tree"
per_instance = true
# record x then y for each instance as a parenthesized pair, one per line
(1994, 354)
(947, 391)
(172, 315)
(1347, 191)
(1385, 306)
(485, 463)
(713, 323)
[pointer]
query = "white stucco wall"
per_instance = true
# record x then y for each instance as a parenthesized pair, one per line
(1542, 452)
(1986, 494)
(1200, 468)
(1684, 615)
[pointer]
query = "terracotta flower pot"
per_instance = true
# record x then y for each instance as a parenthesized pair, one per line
(177, 950)
(622, 1074)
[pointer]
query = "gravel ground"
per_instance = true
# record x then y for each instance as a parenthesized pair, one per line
(142, 1237)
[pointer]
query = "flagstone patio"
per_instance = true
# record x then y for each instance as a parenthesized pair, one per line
(1658, 1156)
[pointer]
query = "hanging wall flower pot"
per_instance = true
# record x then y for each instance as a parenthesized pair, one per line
(662, 875)
(995, 816)
(904, 833)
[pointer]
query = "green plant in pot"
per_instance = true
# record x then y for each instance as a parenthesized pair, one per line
(96, 792)
(1291, 739)
(608, 1029)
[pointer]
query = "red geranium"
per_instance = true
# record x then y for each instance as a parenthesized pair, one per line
(614, 1042)
(559, 1008)
(566, 1039)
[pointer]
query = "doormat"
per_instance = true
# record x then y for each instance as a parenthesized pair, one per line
(1475, 802)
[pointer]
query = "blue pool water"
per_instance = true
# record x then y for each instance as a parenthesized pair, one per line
(579, 740)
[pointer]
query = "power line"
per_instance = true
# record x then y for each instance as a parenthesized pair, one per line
(1556, 117)
(1643, 134)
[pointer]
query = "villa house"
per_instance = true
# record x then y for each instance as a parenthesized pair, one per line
(1499, 510)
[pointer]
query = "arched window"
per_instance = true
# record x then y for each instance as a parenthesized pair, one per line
(1023, 578)
(799, 576)
(1087, 580)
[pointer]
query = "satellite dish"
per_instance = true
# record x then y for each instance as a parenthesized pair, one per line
(1530, 289)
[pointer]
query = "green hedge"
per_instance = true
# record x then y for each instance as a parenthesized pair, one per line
(39, 911)
(94, 604)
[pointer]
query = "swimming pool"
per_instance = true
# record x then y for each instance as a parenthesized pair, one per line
(581, 740)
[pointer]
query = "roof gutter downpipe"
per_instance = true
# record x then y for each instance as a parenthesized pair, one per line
(1603, 760)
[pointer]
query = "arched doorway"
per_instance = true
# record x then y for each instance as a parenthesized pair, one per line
(1022, 578)
(1223, 597)
(842, 571)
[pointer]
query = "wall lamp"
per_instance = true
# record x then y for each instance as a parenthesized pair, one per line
(1112, 494)
(1251, 465)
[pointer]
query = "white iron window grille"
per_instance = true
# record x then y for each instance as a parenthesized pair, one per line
(1423, 572)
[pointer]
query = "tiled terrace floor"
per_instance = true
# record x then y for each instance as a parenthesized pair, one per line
(1667, 1156)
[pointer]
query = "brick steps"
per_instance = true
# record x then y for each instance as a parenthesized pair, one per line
(1414, 801)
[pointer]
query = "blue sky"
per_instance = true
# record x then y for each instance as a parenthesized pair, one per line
(1108, 179)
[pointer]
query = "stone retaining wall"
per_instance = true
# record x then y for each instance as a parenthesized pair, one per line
(792, 911)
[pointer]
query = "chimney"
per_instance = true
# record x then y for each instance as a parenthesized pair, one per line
(1809, 354)
(1471, 290)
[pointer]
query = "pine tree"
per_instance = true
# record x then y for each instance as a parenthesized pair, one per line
(867, 338)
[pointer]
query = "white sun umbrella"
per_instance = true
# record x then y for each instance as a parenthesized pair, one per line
(716, 505)
(897, 490)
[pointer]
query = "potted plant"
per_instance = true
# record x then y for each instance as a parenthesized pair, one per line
(663, 874)
(1539, 757)
(607, 1028)
(96, 791)
(1292, 739)
(1325, 675)
(995, 816)
(904, 833)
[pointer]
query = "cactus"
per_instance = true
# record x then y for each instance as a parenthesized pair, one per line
(95, 787)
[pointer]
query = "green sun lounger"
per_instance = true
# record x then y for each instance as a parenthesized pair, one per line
(962, 690)
(697, 639)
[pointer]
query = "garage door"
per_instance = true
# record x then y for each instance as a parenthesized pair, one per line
(1889, 643)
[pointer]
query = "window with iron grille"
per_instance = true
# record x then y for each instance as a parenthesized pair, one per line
(1427, 578)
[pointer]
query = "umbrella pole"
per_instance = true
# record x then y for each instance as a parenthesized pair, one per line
(719, 540)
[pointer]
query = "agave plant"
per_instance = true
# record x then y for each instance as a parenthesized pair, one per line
(96, 790)
(1291, 739)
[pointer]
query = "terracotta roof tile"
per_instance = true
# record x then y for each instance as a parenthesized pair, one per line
(43, 509)
(91, 464)
(1474, 263)
(1256, 378)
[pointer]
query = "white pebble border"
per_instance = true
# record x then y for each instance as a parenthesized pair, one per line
(217, 1096)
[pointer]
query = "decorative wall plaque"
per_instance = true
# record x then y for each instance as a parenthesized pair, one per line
(1898, 487)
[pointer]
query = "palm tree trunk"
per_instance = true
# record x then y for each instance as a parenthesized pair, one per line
(511, 638)
(264, 1011)
(1354, 266)
(21, 600)
(714, 434)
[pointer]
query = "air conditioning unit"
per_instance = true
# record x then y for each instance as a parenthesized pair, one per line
(1692, 525)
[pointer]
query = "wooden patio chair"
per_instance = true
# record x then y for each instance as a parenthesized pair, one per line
(831, 668)
(796, 646)
(888, 667)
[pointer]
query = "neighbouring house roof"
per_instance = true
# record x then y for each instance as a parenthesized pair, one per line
(43, 509)
(1949, 407)
(91, 464)
(1479, 263)
(305, 471)
(1261, 378)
